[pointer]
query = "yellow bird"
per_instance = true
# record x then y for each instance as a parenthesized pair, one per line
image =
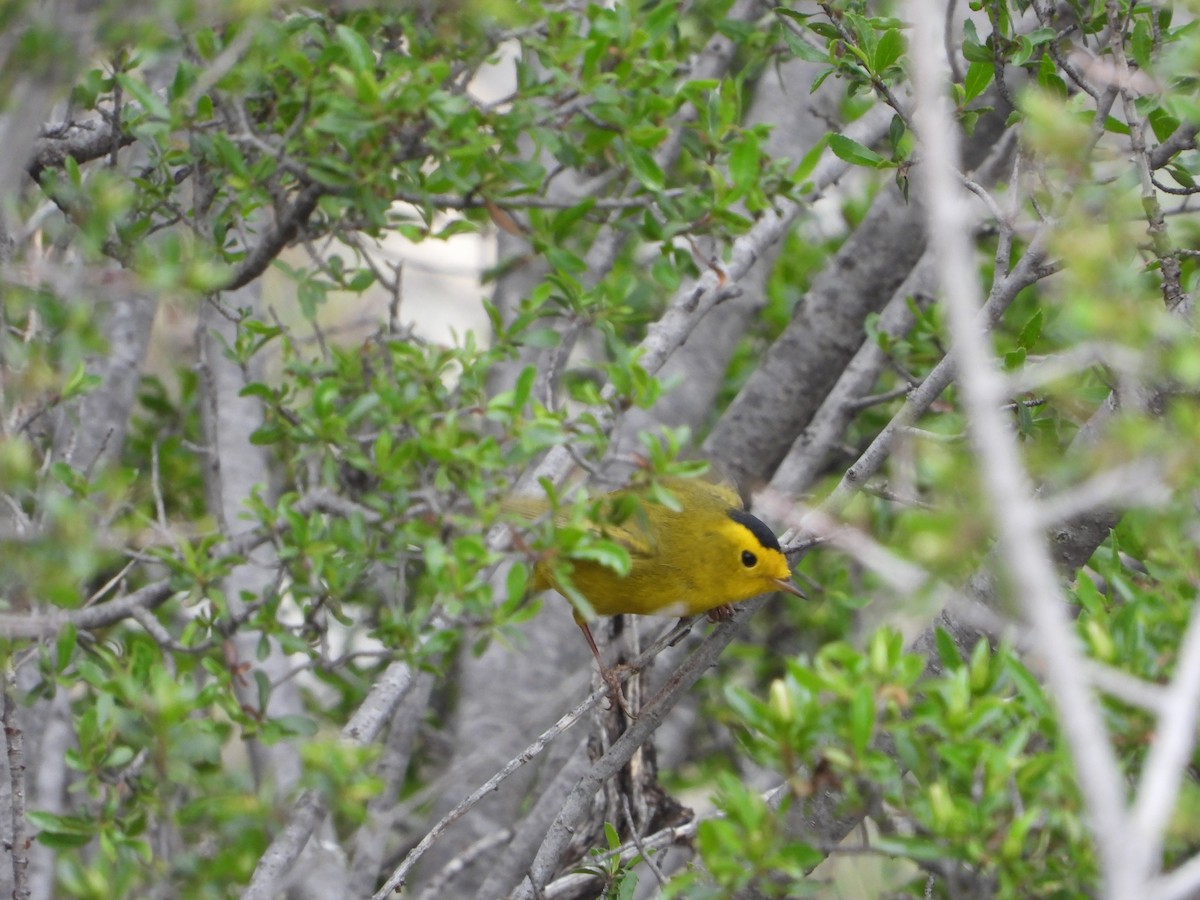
(698, 558)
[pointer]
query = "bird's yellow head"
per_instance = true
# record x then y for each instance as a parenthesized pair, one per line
(752, 561)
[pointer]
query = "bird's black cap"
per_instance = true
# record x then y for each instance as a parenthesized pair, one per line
(757, 527)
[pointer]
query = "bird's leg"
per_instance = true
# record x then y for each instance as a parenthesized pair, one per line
(609, 675)
(722, 613)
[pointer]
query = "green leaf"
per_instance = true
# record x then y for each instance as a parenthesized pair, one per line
(1181, 175)
(980, 666)
(1032, 330)
(517, 582)
(915, 848)
(1142, 44)
(564, 222)
(788, 13)
(855, 153)
(289, 726)
(802, 49)
(862, 718)
(64, 646)
(61, 831)
(889, 49)
(1029, 687)
(146, 98)
(358, 51)
(744, 162)
(973, 48)
(58, 840)
(978, 78)
(611, 836)
(644, 168)
(606, 553)
(808, 163)
(79, 382)
(947, 650)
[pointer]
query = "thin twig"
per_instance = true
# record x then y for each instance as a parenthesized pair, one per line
(647, 858)
(368, 720)
(1172, 286)
(438, 885)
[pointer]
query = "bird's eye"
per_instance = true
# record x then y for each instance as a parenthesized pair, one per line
(749, 560)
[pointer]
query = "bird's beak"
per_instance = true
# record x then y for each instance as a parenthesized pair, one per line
(789, 587)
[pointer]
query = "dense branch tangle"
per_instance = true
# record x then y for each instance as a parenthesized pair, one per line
(644, 205)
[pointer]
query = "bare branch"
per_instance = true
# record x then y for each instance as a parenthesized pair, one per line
(1181, 884)
(1183, 138)
(1126, 688)
(1139, 483)
(398, 877)
(277, 861)
(14, 743)
(1021, 545)
(283, 232)
(813, 448)
(622, 750)
(1004, 291)
(691, 303)
(1167, 761)
(46, 625)
(1172, 286)
(82, 142)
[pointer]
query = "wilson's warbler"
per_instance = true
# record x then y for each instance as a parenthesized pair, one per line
(699, 559)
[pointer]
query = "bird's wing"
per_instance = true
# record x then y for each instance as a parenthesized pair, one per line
(631, 535)
(630, 531)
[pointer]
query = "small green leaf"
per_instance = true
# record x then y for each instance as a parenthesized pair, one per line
(980, 666)
(802, 49)
(797, 17)
(611, 836)
(889, 49)
(606, 553)
(808, 162)
(1031, 331)
(855, 153)
(645, 169)
(1142, 44)
(744, 162)
(145, 97)
(862, 718)
(58, 840)
(517, 582)
(65, 646)
(284, 727)
(1181, 175)
(1029, 687)
(978, 79)
(79, 382)
(947, 650)
(357, 50)
(973, 48)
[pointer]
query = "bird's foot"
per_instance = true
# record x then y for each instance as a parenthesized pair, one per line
(612, 678)
(722, 613)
